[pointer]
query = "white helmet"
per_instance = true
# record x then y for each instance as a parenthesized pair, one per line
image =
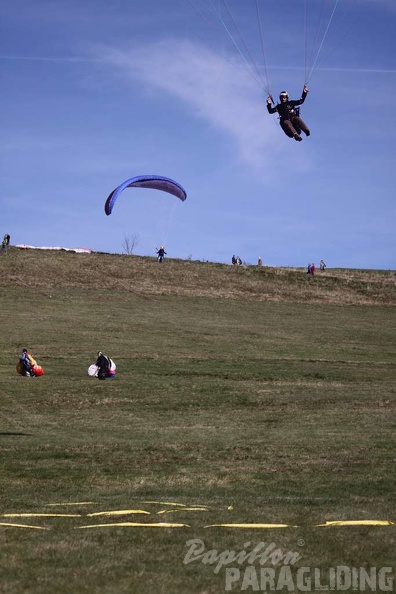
(283, 94)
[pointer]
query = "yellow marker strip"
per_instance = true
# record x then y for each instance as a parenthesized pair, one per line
(251, 526)
(41, 515)
(119, 512)
(76, 503)
(137, 525)
(166, 503)
(22, 526)
(358, 523)
(171, 511)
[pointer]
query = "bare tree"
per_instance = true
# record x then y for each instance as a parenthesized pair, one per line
(129, 244)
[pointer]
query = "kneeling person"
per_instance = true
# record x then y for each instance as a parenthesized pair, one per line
(106, 366)
(27, 365)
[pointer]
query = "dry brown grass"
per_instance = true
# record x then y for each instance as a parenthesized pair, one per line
(43, 270)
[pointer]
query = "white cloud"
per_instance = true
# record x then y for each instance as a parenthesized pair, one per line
(210, 86)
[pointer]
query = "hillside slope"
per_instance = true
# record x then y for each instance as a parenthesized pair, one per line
(45, 269)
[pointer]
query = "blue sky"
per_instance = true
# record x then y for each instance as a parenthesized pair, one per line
(96, 92)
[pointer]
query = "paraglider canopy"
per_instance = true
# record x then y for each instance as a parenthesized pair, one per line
(154, 182)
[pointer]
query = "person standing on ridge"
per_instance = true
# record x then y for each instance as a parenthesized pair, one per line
(161, 254)
(6, 242)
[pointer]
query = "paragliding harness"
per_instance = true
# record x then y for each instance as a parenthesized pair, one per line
(296, 114)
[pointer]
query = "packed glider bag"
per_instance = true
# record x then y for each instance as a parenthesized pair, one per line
(93, 370)
(37, 370)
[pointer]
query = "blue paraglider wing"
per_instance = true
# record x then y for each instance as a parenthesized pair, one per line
(154, 182)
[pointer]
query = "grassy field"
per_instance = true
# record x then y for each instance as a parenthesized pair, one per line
(243, 396)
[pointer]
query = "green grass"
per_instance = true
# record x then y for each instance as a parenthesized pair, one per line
(258, 394)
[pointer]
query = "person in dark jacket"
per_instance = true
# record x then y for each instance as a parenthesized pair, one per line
(6, 242)
(27, 362)
(290, 120)
(161, 254)
(28, 366)
(104, 364)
